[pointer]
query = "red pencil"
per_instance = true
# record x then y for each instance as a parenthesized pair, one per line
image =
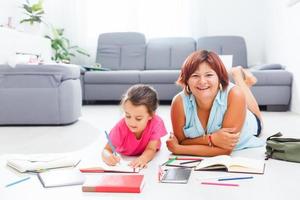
(92, 170)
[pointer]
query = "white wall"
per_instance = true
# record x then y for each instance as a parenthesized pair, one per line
(236, 17)
(10, 8)
(206, 17)
(283, 42)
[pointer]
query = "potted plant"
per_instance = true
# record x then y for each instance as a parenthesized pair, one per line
(63, 51)
(33, 17)
(34, 12)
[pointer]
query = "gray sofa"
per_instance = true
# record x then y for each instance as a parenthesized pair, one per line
(157, 62)
(40, 94)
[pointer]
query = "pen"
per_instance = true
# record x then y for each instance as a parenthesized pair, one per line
(110, 144)
(187, 162)
(16, 182)
(187, 158)
(235, 178)
(220, 184)
(169, 161)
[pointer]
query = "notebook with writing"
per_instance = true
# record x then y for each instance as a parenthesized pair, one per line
(114, 183)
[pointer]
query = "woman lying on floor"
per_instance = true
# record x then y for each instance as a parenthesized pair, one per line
(212, 116)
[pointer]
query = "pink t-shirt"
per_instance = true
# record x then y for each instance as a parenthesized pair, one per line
(125, 141)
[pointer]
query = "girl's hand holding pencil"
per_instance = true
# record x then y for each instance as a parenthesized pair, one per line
(110, 158)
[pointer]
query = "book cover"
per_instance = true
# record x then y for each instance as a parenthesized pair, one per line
(61, 177)
(114, 183)
(232, 164)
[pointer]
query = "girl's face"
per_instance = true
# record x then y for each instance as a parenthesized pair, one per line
(136, 117)
(204, 82)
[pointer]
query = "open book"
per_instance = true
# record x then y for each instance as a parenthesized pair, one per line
(232, 164)
(120, 167)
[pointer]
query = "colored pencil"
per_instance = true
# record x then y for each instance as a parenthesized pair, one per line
(18, 181)
(193, 161)
(110, 143)
(235, 178)
(185, 158)
(169, 161)
(219, 184)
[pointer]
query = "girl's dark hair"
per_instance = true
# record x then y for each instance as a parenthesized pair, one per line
(193, 61)
(142, 95)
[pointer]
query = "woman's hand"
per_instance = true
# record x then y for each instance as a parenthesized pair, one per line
(225, 138)
(173, 144)
(140, 162)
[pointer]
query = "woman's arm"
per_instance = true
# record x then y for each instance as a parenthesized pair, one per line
(179, 144)
(233, 120)
(178, 118)
(178, 122)
(201, 150)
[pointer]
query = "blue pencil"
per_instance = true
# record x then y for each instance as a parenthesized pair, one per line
(16, 182)
(235, 178)
(110, 144)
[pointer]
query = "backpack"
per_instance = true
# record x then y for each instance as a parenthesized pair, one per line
(287, 149)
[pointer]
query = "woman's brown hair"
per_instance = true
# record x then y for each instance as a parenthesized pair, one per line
(192, 63)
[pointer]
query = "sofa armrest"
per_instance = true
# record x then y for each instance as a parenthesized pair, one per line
(65, 71)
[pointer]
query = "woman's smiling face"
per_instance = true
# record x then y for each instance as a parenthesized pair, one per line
(204, 82)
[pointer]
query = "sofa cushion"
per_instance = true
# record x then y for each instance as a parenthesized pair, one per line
(159, 76)
(116, 77)
(123, 50)
(109, 56)
(273, 77)
(133, 57)
(226, 45)
(168, 53)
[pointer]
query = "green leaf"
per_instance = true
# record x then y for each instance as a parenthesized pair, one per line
(83, 52)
